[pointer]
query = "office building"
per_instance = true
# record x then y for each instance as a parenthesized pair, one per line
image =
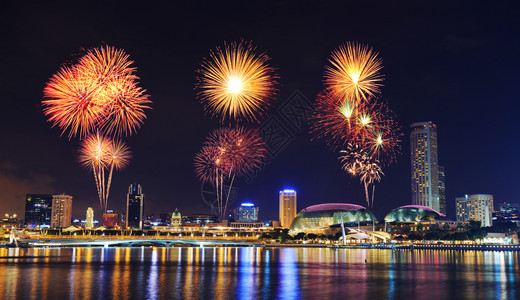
(61, 211)
(135, 207)
(38, 210)
(507, 207)
(246, 212)
(112, 219)
(477, 207)
(89, 221)
(424, 162)
(287, 207)
(442, 191)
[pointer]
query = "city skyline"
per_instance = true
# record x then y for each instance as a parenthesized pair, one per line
(430, 74)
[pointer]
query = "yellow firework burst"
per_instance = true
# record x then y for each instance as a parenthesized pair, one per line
(235, 82)
(354, 72)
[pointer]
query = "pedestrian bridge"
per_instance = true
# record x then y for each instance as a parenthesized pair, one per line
(137, 242)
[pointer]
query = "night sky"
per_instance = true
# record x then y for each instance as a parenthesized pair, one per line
(454, 64)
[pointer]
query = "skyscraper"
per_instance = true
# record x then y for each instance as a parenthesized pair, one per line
(424, 161)
(89, 223)
(134, 207)
(477, 207)
(38, 210)
(61, 211)
(287, 207)
(442, 190)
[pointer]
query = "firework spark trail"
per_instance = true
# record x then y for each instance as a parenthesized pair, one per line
(102, 154)
(100, 92)
(227, 153)
(357, 162)
(236, 83)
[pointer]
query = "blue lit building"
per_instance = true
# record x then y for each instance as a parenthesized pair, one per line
(38, 210)
(246, 212)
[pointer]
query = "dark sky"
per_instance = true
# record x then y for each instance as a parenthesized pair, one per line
(454, 64)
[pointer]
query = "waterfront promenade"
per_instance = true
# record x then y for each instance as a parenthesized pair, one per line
(232, 241)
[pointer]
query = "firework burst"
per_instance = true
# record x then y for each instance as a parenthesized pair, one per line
(99, 92)
(99, 154)
(235, 82)
(227, 153)
(357, 162)
(354, 72)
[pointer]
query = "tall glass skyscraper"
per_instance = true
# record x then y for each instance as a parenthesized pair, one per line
(134, 207)
(287, 207)
(442, 190)
(38, 210)
(425, 167)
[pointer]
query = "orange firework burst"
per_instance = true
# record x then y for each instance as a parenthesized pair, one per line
(72, 102)
(101, 154)
(235, 82)
(354, 72)
(99, 92)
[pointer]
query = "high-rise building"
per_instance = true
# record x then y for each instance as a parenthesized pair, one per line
(61, 211)
(38, 210)
(134, 207)
(287, 207)
(89, 221)
(477, 207)
(442, 190)
(246, 212)
(424, 161)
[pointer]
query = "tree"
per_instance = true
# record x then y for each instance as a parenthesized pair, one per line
(299, 236)
(446, 227)
(312, 236)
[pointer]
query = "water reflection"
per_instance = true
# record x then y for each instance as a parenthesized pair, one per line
(256, 273)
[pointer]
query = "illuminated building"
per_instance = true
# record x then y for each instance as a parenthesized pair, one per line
(61, 211)
(477, 207)
(176, 219)
(424, 162)
(442, 191)
(507, 212)
(322, 216)
(287, 207)
(111, 219)
(38, 210)
(9, 221)
(509, 207)
(413, 213)
(134, 207)
(89, 222)
(246, 212)
(200, 219)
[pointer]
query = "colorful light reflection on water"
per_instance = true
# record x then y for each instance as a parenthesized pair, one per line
(257, 273)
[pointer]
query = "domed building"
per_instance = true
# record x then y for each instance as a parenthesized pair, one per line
(322, 216)
(413, 213)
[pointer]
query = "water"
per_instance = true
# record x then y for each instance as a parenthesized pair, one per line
(257, 273)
